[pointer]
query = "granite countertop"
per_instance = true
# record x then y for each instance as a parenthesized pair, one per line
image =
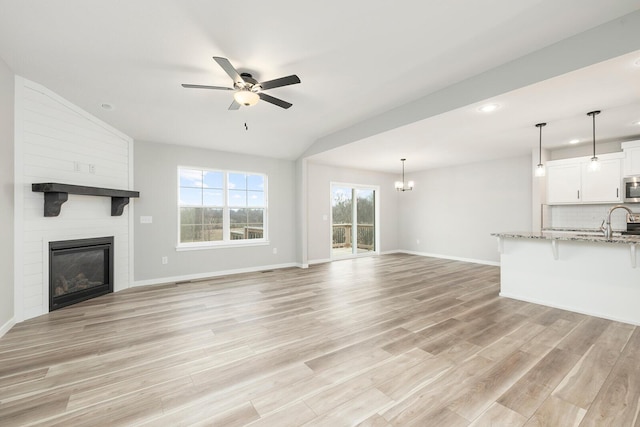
(575, 230)
(565, 235)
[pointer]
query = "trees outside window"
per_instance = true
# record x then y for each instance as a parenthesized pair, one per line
(353, 219)
(220, 206)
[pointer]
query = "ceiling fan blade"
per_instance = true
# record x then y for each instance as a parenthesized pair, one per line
(282, 81)
(229, 69)
(275, 101)
(205, 87)
(235, 105)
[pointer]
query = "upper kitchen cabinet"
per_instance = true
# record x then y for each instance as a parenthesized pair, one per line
(602, 185)
(632, 158)
(571, 181)
(563, 183)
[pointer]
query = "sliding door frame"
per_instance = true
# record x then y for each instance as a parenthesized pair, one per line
(354, 231)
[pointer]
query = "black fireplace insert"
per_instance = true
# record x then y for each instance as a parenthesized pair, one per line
(79, 270)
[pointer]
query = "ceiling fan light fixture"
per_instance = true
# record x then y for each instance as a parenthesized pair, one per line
(246, 97)
(247, 91)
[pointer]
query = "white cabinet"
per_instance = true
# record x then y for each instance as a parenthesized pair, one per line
(602, 185)
(563, 183)
(571, 181)
(632, 158)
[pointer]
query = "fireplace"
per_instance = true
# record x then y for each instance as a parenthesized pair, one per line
(79, 270)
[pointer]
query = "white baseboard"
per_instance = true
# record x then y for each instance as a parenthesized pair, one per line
(319, 261)
(7, 326)
(453, 258)
(199, 276)
(394, 251)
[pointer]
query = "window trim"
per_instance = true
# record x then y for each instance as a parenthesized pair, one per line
(226, 241)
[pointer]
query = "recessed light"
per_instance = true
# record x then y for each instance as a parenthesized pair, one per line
(574, 141)
(488, 108)
(107, 106)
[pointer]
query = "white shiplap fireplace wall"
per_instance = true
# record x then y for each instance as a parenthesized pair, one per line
(55, 141)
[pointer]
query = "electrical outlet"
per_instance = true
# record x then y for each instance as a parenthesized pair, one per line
(92, 168)
(165, 260)
(146, 219)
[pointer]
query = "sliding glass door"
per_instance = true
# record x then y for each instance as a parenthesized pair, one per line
(353, 220)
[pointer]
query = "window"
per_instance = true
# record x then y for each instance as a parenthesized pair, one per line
(220, 207)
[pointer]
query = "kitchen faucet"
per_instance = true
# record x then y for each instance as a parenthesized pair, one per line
(605, 227)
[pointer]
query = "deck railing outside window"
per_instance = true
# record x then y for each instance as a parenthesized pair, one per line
(247, 233)
(342, 236)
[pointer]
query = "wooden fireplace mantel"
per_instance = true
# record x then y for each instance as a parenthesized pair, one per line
(55, 194)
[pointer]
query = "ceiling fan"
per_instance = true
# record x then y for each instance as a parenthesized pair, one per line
(247, 90)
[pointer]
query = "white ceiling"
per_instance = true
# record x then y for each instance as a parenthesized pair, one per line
(466, 135)
(355, 58)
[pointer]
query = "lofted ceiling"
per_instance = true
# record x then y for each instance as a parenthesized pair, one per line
(467, 135)
(356, 59)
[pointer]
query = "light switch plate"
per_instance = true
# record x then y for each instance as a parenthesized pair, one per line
(146, 219)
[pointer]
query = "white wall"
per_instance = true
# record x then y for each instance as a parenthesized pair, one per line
(539, 210)
(453, 210)
(156, 168)
(319, 179)
(6, 197)
(51, 136)
(614, 38)
(584, 149)
(301, 196)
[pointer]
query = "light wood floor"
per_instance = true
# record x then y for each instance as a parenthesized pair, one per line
(391, 340)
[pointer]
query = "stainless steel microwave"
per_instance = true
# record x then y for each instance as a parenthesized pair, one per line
(631, 188)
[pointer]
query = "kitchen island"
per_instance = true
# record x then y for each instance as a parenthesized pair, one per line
(580, 272)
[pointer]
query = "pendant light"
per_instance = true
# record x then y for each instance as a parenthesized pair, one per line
(595, 164)
(540, 171)
(400, 186)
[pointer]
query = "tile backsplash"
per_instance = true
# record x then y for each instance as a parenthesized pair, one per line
(585, 216)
